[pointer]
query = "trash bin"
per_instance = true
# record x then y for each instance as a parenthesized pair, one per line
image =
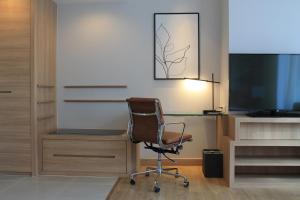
(212, 165)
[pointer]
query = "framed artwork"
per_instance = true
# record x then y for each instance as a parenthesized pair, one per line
(176, 46)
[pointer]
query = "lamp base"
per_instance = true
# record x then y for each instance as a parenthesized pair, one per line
(212, 112)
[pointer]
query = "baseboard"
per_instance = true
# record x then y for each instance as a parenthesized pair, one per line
(84, 173)
(178, 162)
(15, 173)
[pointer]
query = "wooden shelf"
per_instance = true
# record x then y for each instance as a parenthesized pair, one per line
(267, 161)
(270, 120)
(45, 86)
(277, 143)
(45, 117)
(86, 137)
(95, 101)
(46, 102)
(266, 181)
(95, 86)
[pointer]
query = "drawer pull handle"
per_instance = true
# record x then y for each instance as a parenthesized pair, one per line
(6, 92)
(82, 156)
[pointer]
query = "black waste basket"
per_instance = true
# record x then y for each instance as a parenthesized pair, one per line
(212, 165)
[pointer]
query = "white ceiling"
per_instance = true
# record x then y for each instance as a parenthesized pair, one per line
(85, 1)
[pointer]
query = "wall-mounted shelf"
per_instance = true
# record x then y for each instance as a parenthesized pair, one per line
(95, 101)
(45, 86)
(94, 86)
(46, 102)
(83, 156)
(45, 117)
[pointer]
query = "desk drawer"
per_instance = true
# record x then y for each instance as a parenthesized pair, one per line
(84, 156)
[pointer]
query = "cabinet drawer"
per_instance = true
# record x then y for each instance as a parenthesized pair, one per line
(84, 156)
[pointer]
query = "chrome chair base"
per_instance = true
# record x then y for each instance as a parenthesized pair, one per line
(159, 171)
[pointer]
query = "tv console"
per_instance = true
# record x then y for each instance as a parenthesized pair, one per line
(260, 152)
(274, 113)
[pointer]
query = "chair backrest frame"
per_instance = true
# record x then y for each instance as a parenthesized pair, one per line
(159, 117)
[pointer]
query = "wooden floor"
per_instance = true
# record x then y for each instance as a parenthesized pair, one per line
(200, 188)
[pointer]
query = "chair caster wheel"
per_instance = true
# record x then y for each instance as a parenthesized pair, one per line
(156, 189)
(147, 174)
(186, 184)
(132, 182)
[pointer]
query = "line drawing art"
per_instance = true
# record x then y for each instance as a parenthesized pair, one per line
(167, 56)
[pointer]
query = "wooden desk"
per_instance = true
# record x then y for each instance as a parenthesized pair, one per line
(192, 114)
(219, 117)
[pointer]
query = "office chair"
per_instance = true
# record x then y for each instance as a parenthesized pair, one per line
(147, 125)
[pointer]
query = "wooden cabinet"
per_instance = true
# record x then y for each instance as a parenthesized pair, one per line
(94, 155)
(84, 156)
(15, 63)
(20, 49)
(260, 152)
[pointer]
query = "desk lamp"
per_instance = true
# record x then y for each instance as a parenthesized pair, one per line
(213, 111)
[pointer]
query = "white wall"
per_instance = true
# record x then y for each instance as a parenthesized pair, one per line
(258, 26)
(112, 43)
(264, 26)
(224, 100)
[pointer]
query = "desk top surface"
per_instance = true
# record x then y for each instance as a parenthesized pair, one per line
(100, 132)
(192, 114)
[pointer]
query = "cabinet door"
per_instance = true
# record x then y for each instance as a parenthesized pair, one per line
(15, 137)
(15, 93)
(15, 112)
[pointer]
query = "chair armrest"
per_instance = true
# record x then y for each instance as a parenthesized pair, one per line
(183, 128)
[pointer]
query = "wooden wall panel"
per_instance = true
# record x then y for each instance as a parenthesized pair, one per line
(14, 68)
(27, 59)
(14, 24)
(15, 60)
(15, 155)
(43, 73)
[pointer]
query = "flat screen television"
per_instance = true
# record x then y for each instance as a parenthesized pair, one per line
(264, 83)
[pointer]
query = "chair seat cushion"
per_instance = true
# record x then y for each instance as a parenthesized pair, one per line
(174, 137)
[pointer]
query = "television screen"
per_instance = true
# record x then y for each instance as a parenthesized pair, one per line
(264, 82)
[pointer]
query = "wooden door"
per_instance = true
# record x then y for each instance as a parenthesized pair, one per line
(15, 137)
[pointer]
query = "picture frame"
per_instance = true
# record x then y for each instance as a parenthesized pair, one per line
(176, 46)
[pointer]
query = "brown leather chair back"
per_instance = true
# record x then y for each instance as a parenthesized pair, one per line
(146, 117)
